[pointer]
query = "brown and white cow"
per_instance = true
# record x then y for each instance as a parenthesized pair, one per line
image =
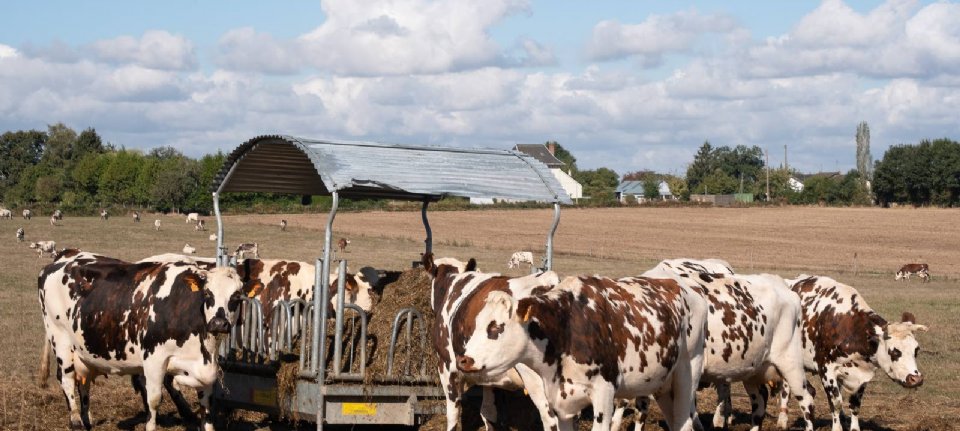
(457, 286)
(193, 217)
(753, 334)
(27, 214)
(104, 215)
(921, 269)
(48, 247)
(592, 340)
(103, 316)
(20, 234)
(247, 249)
(5, 213)
(845, 342)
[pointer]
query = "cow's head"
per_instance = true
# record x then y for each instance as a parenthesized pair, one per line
(897, 351)
(221, 292)
(900, 274)
(493, 335)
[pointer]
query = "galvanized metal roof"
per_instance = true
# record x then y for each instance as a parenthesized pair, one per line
(287, 164)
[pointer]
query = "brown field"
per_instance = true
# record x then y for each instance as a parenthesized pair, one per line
(609, 241)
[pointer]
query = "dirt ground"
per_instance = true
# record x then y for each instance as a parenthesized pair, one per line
(612, 242)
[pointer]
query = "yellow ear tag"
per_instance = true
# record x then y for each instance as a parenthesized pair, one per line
(194, 286)
(255, 290)
(526, 316)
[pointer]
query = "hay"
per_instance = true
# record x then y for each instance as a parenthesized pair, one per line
(410, 290)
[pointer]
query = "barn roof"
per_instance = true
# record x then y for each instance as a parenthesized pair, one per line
(541, 153)
(287, 164)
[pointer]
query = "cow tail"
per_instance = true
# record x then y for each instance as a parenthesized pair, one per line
(44, 373)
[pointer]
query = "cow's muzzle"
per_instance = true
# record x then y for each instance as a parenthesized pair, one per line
(218, 325)
(913, 381)
(466, 364)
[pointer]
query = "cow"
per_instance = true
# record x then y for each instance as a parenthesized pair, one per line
(592, 339)
(921, 269)
(104, 316)
(104, 215)
(156, 224)
(845, 342)
(201, 226)
(44, 247)
(58, 215)
(520, 257)
(245, 249)
(753, 334)
(187, 249)
(454, 285)
(20, 234)
(213, 237)
(193, 217)
(342, 244)
(283, 225)
(53, 221)
(27, 214)
(136, 217)
(5, 213)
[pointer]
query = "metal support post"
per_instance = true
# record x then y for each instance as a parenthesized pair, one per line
(318, 354)
(548, 265)
(426, 225)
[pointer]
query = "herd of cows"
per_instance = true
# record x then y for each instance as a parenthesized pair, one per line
(568, 342)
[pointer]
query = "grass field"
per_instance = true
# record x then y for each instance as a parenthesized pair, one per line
(612, 242)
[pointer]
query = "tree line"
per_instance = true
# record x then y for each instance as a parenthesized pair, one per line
(80, 173)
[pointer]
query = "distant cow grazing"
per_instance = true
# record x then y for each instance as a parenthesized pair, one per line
(53, 221)
(104, 215)
(201, 226)
(5, 213)
(156, 224)
(283, 225)
(103, 316)
(456, 286)
(44, 247)
(845, 342)
(342, 244)
(193, 217)
(27, 214)
(634, 337)
(751, 331)
(520, 257)
(136, 217)
(921, 269)
(187, 249)
(20, 234)
(247, 249)
(213, 237)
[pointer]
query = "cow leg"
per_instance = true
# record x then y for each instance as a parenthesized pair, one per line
(795, 378)
(533, 384)
(855, 399)
(453, 391)
(617, 419)
(488, 408)
(84, 390)
(758, 403)
(183, 406)
(67, 376)
(154, 373)
(723, 415)
(603, 403)
(783, 418)
(642, 405)
(831, 386)
(206, 415)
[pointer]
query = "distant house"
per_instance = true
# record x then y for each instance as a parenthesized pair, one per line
(545, 153)
(634, 190)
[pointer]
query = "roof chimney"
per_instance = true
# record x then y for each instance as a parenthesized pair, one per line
(552, 148)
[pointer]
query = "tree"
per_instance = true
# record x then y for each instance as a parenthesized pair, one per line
(923, 174)
(723, 165)
(651, 187)
(564, 156)
(18, 151)
(704, 163)
(864, 159)
(89, 142)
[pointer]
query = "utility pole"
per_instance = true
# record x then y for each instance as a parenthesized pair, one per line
(786, 167)
(767, 154)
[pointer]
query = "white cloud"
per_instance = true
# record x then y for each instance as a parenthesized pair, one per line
(655, 37)
(244, 49)
(156, 49)
(7, 51)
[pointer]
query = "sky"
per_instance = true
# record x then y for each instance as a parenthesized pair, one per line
(629, 85)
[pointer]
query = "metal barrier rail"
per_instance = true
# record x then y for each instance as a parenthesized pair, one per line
(411, 315)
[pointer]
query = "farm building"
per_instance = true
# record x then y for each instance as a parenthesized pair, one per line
(634, 190)
(545, 153)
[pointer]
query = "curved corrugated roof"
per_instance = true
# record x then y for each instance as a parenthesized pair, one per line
(287, 164)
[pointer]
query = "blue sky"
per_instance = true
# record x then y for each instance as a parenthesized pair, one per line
(628, 85)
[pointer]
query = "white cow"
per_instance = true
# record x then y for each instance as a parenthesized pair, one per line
(20, 234)
(5, 213)
(520, 257)
(44, 247)
(27, 214)
(201, 226)
(104, 215)
(187, 249)
(156, 224)
(193, 217)
(213, 237)
(752, 333)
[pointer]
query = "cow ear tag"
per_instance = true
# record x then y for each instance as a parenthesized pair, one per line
(255, 290)
(526, 315)
(194, 285)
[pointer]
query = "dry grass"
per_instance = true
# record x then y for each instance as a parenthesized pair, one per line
(608, 241)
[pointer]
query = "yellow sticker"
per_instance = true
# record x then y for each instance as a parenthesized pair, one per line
(192, 282)
(358, 409)
(265, 397)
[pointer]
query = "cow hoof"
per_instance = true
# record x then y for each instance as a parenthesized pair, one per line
(718, 422)
(782, 421)
(77, 424)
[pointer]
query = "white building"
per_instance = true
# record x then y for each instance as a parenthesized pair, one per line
(545, 153)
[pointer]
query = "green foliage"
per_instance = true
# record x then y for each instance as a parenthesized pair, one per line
(651, 187)
(924, 174)
(834, 190)
(599, 183)
(565, 156)
(19, 151)
(720, 169)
